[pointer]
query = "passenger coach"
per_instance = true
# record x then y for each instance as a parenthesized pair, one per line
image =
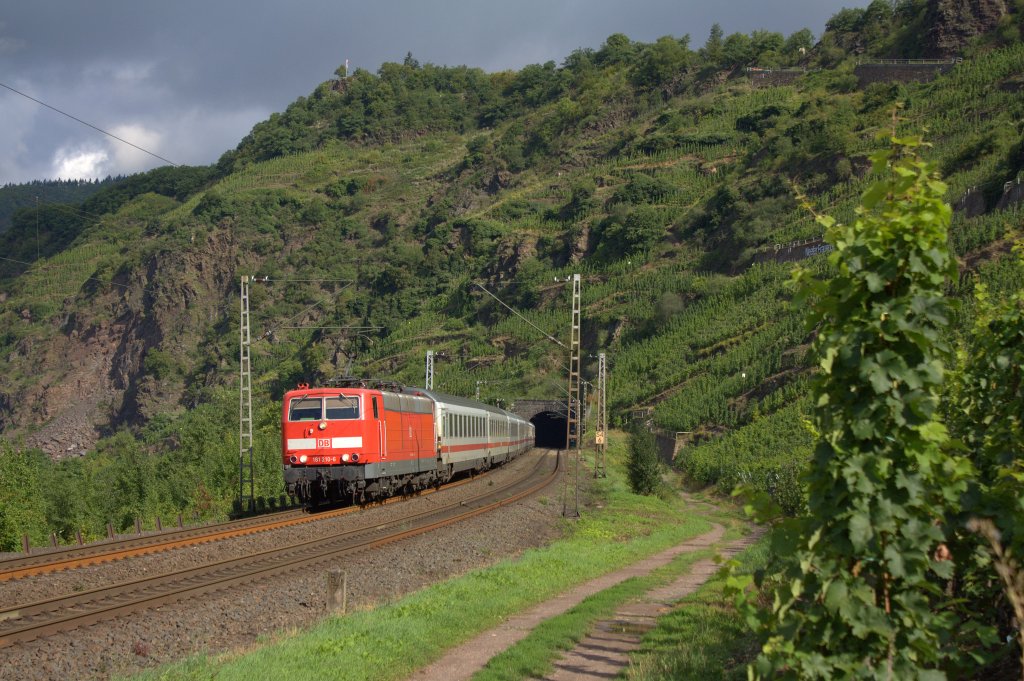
(365, 440)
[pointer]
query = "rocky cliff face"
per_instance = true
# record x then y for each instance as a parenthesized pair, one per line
(92, 374)
(952, 24)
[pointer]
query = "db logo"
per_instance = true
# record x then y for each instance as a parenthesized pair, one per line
(323, 443)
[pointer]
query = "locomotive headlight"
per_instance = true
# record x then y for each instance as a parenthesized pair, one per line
(323, 425)
(344, 457)
(355, 457)
(303, 458)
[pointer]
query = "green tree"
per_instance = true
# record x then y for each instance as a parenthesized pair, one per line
(800, 40)
(129, 480)
(643, 466)
(738, 50)
(617, 49)
(712, 50)
(663, 61)
(764, 42)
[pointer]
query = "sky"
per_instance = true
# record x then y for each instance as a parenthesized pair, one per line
(187, 79)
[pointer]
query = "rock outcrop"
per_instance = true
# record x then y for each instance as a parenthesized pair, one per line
(952, 24)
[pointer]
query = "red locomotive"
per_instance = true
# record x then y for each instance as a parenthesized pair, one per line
(363, 440)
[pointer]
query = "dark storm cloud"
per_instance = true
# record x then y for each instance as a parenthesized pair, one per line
(188, 79)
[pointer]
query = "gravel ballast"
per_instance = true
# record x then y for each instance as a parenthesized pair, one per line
(238, 619)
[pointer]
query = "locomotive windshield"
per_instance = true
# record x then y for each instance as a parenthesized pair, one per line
(338, 408)
(342, 407)
(305, 409)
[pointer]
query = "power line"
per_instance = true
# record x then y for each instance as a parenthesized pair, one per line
(269, 280)
(291, 319)
(39, 267)
(516, 313)
(75, 118)
(74, 209)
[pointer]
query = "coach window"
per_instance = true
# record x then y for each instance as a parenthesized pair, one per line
(342, 408)
(305, 409)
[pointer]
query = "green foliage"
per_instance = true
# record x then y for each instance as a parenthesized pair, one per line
(987, 414)
(627, 232)
(766, 455)
(643, 466)
(663, 62)
(702, 638)
(178, 182)
(393, 640)
(161, 364)
(40, 233)
(15, 197)
(630, 164)
(860, 590)
(22, 504)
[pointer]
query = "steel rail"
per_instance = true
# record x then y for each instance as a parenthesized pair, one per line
(103, 552)
(43, 618)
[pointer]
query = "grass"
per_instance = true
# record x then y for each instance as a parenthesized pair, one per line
(392, 641)
(533, 656)
(703, 639)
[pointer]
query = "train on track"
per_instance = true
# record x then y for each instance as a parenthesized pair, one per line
(360, 440)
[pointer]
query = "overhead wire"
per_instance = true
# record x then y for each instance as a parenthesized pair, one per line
(516, 313)
(30, 266)
(90, 125)
(268, 332)
(71, 208)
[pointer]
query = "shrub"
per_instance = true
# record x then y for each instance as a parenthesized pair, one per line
(643, 466)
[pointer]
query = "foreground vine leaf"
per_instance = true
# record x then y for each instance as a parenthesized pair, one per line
(859, 594)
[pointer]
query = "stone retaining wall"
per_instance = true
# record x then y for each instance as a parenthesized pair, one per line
(902, 73)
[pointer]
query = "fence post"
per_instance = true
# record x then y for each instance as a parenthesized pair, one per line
(138, 525)
(78, 536)
(110, 530)
(26, 544)
(159, 525)
(53, 540)
(337, 590)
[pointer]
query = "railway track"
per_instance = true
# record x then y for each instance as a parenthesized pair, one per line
(103, 552)
(44, 618)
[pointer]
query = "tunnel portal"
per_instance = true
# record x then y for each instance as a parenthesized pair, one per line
(549, 418)
(550, 429)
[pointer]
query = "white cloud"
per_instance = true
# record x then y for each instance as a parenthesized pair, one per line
(128, 159)
(200, 135)
(80, 164)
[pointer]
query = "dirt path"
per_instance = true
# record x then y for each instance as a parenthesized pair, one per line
(605, 652)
